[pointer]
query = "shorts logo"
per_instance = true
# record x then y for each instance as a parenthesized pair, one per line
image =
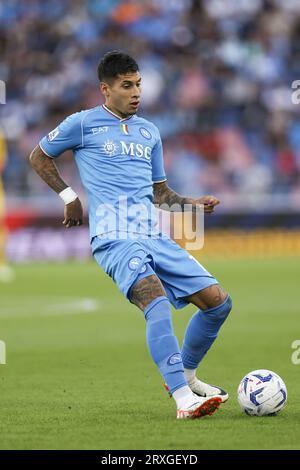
(134, 263)
(174, 359)
(145, 133)
(51, 136)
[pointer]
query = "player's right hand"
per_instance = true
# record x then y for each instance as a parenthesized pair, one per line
(73, 214)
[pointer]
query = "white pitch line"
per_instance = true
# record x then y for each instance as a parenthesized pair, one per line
(85, 305)
(35, 306)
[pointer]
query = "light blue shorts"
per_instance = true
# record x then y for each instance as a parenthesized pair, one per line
(128, 261)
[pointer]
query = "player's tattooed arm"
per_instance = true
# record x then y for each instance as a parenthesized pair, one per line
(170, 200)
(47, 170)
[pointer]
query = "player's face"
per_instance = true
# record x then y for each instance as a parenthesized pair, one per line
(122, 96)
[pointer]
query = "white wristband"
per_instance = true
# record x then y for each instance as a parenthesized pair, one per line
(68, 195)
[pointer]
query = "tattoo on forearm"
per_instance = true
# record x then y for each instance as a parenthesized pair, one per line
(146, 290)
(47, 170)
(163, 195)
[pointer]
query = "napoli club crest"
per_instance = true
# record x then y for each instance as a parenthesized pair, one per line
(145, 133)
(134, 263)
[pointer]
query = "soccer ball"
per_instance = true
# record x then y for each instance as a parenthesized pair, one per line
(262, 393)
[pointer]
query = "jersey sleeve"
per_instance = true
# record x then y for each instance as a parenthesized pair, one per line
(158, 171)
(66, 136)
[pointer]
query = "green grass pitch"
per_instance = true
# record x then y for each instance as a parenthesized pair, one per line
(79, 376)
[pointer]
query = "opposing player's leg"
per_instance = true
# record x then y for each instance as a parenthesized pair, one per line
(149, 295)
(214, 307)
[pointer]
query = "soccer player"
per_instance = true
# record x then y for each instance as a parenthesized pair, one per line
(120, 160)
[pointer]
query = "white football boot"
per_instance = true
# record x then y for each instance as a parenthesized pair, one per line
(206, 390)
(197, 407)
(203, 390)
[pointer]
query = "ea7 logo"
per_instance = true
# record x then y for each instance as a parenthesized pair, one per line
(51, 136)
(99, 130)
(2, 352)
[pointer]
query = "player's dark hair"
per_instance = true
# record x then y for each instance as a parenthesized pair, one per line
(116, 63)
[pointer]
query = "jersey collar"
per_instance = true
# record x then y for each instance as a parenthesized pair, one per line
(115, 115)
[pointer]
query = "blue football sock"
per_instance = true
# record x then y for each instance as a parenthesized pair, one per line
(202, 331)
(163, 344)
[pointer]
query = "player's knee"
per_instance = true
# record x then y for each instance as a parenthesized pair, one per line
(210, 297)
(223, 310)
(218, 296)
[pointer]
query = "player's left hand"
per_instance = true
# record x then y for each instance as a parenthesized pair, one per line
(209, 203)
(73, 214)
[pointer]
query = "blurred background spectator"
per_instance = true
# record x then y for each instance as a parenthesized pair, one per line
(217, 81)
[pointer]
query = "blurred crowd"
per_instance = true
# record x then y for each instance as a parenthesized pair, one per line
(217, 81)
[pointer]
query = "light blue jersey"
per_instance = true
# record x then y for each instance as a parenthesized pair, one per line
(118, 160)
